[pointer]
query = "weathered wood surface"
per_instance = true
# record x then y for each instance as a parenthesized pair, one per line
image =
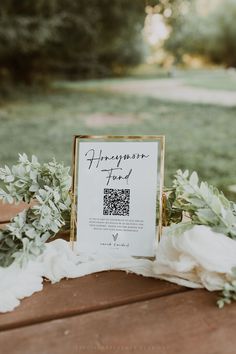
(90, 293)
(7, 211)
(115, 312)
(182, 323)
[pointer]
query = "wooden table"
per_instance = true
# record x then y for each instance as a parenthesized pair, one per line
(115, 312)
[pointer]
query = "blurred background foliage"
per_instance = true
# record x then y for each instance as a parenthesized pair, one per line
(77, 39)
(207, 30)
(42, 39)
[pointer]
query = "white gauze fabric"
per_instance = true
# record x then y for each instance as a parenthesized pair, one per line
(197, 258)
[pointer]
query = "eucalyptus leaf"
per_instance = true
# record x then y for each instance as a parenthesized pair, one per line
(49, 185)
(204, 204)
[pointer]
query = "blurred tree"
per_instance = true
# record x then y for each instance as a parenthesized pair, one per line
(75, 38)
(25, 32)
(211, 35)
(120, 42)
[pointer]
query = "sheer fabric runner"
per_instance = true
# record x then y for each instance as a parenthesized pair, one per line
(197, 258)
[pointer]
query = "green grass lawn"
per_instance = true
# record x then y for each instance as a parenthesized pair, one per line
(214, 79)
(200, 138)
(209, 78)
(218, 79)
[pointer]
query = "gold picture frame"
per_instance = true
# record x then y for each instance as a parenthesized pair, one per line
(114, 138)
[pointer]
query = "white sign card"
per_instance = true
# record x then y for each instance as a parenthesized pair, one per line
(117, 185)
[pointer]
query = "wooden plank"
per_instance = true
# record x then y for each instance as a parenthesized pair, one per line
(183, 323)
(89, 293)
(7, 211)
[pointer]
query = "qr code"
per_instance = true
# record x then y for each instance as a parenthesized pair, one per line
(116, 202)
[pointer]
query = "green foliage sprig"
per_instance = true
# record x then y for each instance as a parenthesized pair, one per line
(204, 204)
(48, 186)
(229, 291)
